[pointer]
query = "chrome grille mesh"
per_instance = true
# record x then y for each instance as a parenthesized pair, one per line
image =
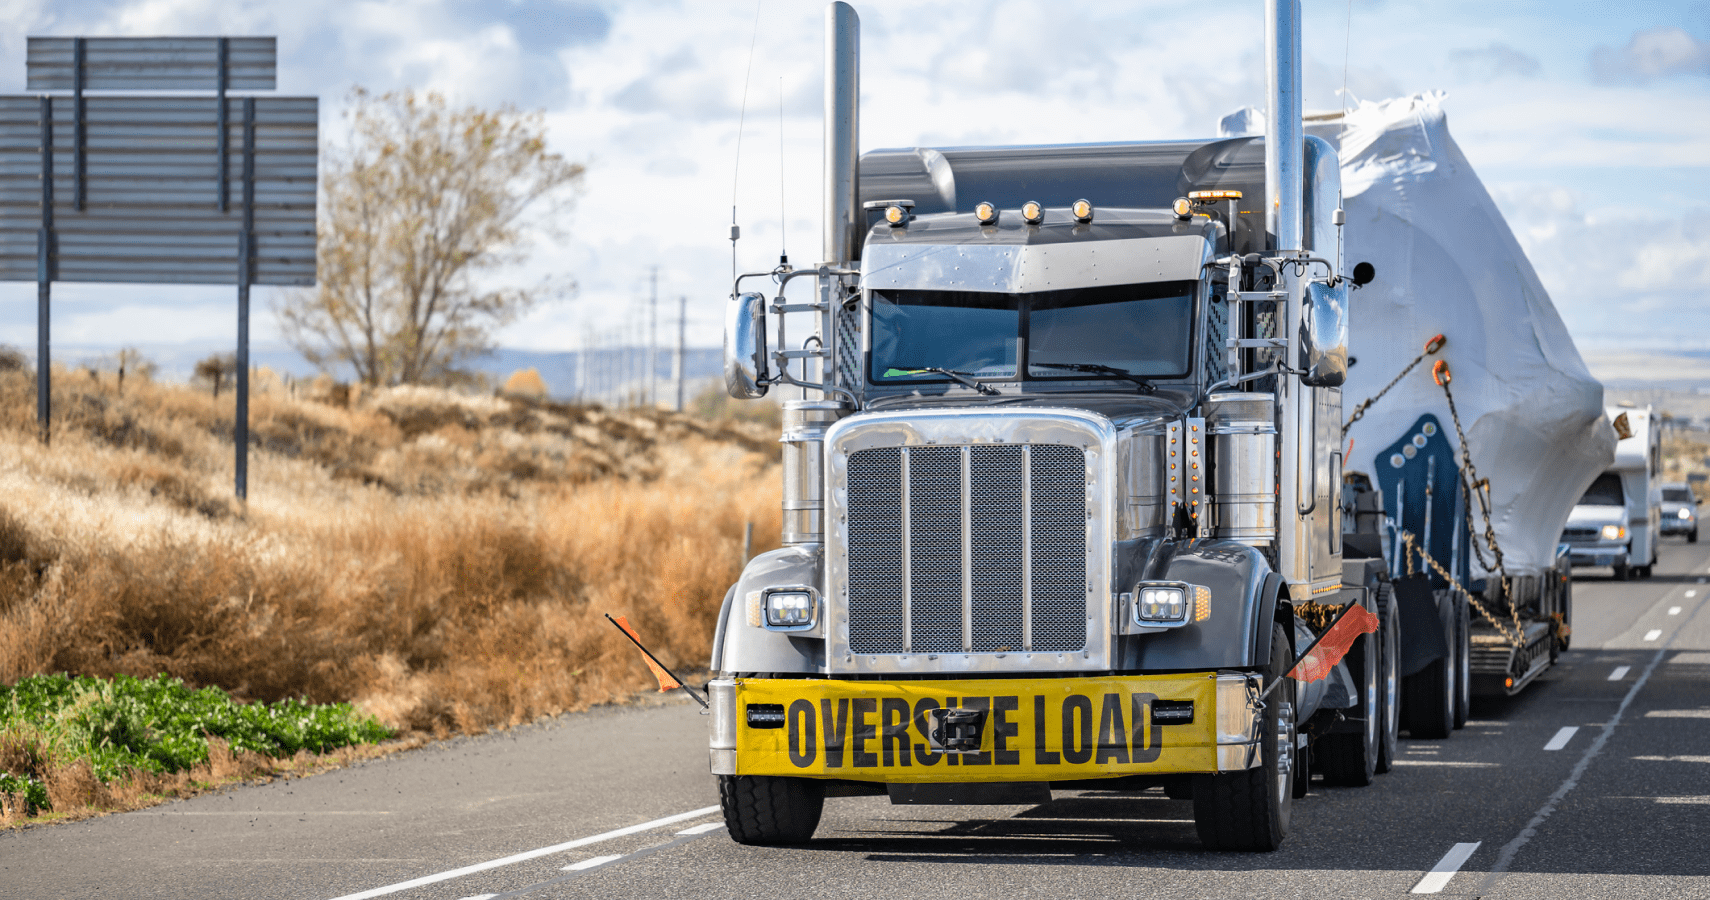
(989, 531)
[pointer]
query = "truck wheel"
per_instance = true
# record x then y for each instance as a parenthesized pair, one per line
(1250, 810)
(763, 809)
(1389, 692)
(1350, 758)
(1463, 671)
(1620, 573)
(1692, 536)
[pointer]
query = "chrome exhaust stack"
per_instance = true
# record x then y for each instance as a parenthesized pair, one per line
(805, 421)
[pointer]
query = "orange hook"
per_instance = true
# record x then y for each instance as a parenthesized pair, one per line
(1435, 344)
(1440, 372)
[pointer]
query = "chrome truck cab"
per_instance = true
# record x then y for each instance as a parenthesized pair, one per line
(1058, 472)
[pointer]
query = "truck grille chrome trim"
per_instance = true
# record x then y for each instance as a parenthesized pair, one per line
(976, 548)
(970, 541)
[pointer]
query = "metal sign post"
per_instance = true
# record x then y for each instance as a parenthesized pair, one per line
(146, 206)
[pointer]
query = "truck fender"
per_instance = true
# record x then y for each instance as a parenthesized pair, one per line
(1223, 637)
(1260, 653)
(713, 665)
(744, 647)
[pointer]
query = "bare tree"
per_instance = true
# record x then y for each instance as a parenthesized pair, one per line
(426, 200)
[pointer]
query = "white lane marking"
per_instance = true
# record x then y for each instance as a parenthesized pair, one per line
(1691, 593)
(1688, 759)
(1620, 673)
(527, 855)
(1512, 848)
(1438, 878)
(1678, 714)
(703, 829)
(1695, 801)
(1688, 657)
(1674, 610)
(591, 863)
(1562, 737)
(1653, 634)
(1445, 763)
(480, 897)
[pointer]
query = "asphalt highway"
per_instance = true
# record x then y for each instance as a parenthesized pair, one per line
(1593, 783)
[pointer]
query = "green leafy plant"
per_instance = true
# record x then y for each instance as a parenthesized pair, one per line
(159, 725)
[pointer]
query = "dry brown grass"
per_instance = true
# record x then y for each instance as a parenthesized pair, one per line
(442, 561)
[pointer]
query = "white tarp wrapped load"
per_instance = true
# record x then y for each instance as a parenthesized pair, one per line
(1448, 264)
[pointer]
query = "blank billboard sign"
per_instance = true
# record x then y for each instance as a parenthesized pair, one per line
(152, 173)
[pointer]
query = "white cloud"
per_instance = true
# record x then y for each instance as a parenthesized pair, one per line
(648, 93)
(1652, 53)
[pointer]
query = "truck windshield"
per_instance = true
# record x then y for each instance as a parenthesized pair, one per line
(1143, 330)
(1605, 491)
(1677, 495)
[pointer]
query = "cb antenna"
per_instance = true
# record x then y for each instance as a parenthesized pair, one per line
(741, 118)
(783, 221)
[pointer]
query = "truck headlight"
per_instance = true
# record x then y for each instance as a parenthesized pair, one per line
(1166, 604)
(1614, 532)
(1685, 513)
(792, 609)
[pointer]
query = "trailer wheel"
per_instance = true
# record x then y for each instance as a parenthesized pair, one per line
(1351, 758)
(1250, 810)
(1429, 696)
(763, 809)
(1390, 691)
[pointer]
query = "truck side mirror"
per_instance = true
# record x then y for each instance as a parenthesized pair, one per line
(1324, 335)
(745, 373)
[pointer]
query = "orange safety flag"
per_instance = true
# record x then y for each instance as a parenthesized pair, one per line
(1329, 649)
(666, 680)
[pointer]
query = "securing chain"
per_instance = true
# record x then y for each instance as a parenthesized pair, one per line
(1515, 638)
(1470, 482)
(1431, 347)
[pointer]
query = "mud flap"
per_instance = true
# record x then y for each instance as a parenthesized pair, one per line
(1422, 639)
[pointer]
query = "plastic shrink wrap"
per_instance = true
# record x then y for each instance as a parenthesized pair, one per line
(1448, 264)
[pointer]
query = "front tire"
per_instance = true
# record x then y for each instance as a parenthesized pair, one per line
(1692, 536)
(1249, 810)
(764, 809)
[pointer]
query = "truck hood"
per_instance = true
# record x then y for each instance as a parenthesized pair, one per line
(1584, 515)
(1121, 408)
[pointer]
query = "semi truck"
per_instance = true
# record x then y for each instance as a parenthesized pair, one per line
(1064, 486)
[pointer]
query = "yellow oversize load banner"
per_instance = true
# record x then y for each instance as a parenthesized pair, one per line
(1035, 729)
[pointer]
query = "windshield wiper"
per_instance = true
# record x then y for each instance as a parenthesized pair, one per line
(1146, 387)
(960, 378)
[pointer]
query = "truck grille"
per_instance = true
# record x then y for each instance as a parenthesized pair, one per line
(978, 549)
(1580, 535)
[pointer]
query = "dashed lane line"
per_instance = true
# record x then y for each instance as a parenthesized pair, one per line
(1620, 673)
(592, 862)
(1653, 634)
(1511, 849)
(1674, 610)
(1440, 874)
(1562, 737)
(528, 855)
(680, 840)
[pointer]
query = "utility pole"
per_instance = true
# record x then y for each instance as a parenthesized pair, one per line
(677, 373)
(653, 337)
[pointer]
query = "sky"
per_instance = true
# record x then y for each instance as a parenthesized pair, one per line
(1589, 123)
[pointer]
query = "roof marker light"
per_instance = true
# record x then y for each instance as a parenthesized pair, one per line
(1183, 208)
(986, 213)
(1082, 211)
(1033, 212)
(896, 215)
